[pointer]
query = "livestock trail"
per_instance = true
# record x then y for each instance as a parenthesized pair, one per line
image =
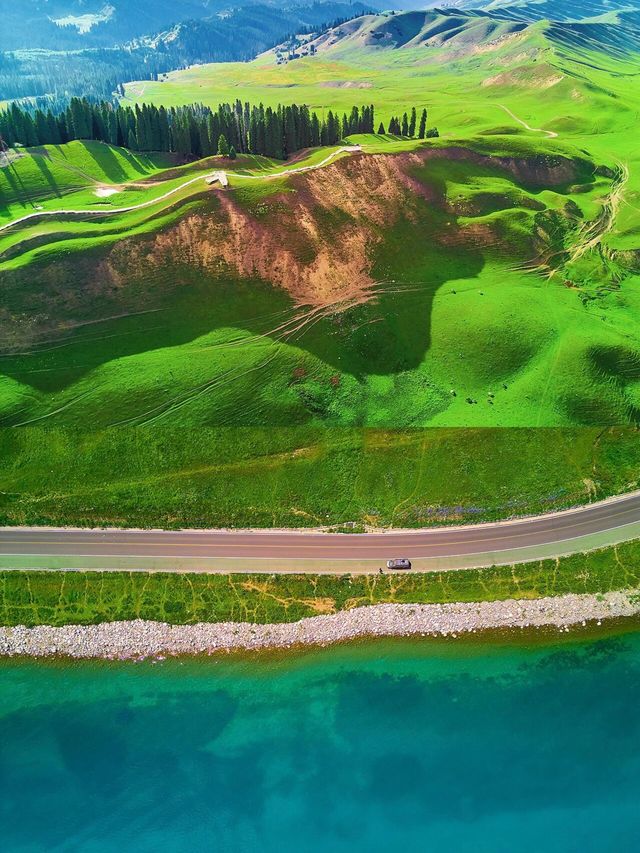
(550, 133)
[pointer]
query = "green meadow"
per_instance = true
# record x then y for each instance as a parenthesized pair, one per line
(153, 369)
(458, 333)
(306, 476)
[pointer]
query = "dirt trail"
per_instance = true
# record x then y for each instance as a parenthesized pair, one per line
(200, 178)
(550, 133)
(345, 149)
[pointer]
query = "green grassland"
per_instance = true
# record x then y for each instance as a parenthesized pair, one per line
(587, 96)
(505, 300)
(63, 598)
(306, 476)
(459, 334)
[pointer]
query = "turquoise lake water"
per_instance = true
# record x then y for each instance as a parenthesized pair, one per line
(380, 747)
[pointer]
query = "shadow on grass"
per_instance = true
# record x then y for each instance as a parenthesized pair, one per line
(426, 250)
(20, 192)
(176, 317)
(388, 335)
(42, 165)
(392, 333)
(105, 158)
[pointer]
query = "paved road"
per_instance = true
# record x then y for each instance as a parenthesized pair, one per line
(604, 523)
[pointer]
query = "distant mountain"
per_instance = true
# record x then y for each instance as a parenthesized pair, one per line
(81, 24)
(242, 33)
(56, 61)
(457, 32)
(551, 10)
(77, 24)
(436, 28)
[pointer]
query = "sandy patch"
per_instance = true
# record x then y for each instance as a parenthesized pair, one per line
(498, 43)
(9, 157)
(346, 84)
(289, 245)
(524, 77)
(105, 192)
(317, 241)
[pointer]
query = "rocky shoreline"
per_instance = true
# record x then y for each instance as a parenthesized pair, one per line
(140, 639)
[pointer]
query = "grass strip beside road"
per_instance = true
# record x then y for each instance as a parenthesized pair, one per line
(305, 476)
(64, 598)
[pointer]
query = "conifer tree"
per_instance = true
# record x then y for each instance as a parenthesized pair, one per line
(423, 124)
(78, 121)
(290, 142)
(196, 130)
(163, 129)
(354, 121)
(412, 122)
(223, 146)
(42, 128)
(30, 132)
(53, 132)
(205, 140)
(314, 140)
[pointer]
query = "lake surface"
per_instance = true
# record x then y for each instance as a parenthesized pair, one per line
(379, 747)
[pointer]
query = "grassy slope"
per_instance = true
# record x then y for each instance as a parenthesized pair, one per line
(62, 598)
(306, 476)
(397, 367)
(55, 172)
(70, 177)
(594, 106)
(567, 354)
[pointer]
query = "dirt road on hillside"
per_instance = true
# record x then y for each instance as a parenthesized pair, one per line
(39, 214)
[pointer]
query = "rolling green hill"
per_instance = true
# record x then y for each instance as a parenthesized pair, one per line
(552, 10)
(485, 280)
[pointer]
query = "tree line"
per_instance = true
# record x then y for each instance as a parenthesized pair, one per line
(197, 130)
(93, 73)
(409, 126)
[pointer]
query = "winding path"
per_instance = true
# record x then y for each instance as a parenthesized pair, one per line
(280, 551)
(218, 175)
(550, 133)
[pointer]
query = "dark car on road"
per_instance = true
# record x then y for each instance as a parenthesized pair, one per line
(399, 563)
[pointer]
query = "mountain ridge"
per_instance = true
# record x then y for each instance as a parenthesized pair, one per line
(456, 30)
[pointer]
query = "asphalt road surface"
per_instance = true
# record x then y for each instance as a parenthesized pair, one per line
(570, 531)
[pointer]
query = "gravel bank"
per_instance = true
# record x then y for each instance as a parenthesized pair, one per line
(143, 639)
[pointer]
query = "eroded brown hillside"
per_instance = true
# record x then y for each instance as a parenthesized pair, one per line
(322, 239)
